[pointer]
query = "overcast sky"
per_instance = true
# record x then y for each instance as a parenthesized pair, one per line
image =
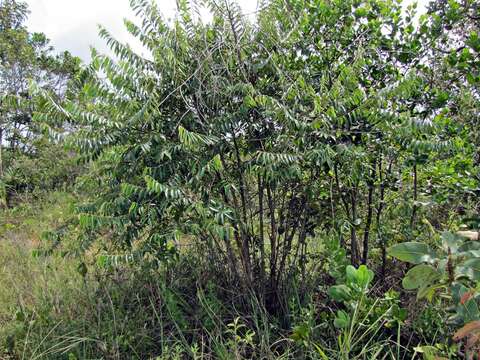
(72, 24)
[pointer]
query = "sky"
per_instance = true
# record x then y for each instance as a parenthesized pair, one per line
(73, 24)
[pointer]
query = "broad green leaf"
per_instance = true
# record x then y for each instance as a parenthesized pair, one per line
(469, 246)
(351, 274)
(458, 291)
(364, 276)
(470, 268)
(342, 320)
(427, 292)
(451, 241)
(412, 252)
(419, 276)
(468, 311)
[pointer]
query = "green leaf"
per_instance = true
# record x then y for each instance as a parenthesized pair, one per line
(420, 276)
(361, 12)
(469, 246)
(429, 352)
(470, 268)
(451, 241)
(412, 252)
(217, 162)
(427, 291)
(351, 273)
(400, 314)
(342, 320)
(364, 276)
(300, 332)
(249, 101)
(340, 293)
(468, 311)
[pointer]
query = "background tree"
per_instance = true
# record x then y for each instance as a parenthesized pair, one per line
(24, 57)
(455, 77)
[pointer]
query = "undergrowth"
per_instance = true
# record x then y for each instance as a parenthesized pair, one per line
(56, 305)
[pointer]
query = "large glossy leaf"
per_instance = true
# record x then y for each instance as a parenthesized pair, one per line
(470, 268)
(412, 252)
(466, 307)
(451, 241)
(468, 311)
(420, 276)
(469, 246)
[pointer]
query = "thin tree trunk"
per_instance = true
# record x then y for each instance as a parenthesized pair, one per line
(236, 234)
(262, 237)
(381, 205)
(273, 239)
(1, 147)
(344, 201)
(415, 196)
(368, 223)
(353, 230)
(245, 246)
(3, 190)
(289, 238)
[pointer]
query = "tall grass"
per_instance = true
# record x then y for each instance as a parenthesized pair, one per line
(54, 305)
